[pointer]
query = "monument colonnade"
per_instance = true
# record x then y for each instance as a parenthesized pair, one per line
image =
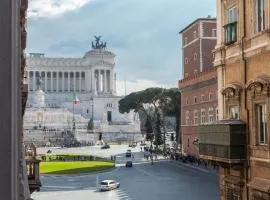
(99, 80)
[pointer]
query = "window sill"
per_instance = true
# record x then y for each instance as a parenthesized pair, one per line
(258, 34)
(264, 147)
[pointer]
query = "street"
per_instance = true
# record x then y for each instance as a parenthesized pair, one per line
(163, 180)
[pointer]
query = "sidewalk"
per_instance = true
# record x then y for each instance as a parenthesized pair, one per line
(201, 167)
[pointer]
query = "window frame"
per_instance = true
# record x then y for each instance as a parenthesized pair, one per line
(214, 33)
(187, 117)
(259, 27)
(258, 135)
(230, 27)
(203, 116)
(186, 60)
(196, 117)
(211, 115)
(229, 111)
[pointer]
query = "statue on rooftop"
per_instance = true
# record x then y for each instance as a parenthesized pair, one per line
(97, 44)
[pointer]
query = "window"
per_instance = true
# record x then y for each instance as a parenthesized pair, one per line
(196, 117)
(186, 60)
(231, 26)
(261, 123)
(186, 101)
(202, 97)
(232, 15)
(210, 96)
(259, 6)
(214, 32)
(186, 40)
(187, 118)
(234, 112)
(203, 116)
(195, 99)
(195, 34)
(195, 56)
(211, 114)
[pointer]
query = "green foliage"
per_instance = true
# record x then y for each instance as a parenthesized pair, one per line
(158, 135)
(157, 99)
(74, 167)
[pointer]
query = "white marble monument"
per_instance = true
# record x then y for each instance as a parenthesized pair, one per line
(92, 78)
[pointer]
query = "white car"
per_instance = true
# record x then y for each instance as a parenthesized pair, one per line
(109, 185)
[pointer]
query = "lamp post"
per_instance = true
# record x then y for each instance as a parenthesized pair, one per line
(92, 108)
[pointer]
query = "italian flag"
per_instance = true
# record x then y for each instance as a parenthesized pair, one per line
(75, 98)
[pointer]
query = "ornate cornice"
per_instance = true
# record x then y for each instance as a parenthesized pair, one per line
(232, 91)
(259, 86)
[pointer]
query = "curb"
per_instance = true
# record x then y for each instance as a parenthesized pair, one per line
(79, 174)
(194, 167)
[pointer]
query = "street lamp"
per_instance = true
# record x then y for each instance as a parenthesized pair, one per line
(92, 107)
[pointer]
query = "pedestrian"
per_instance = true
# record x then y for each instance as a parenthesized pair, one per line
(156, 156)
(141, 148)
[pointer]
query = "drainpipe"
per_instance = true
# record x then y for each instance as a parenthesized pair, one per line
(245, 100)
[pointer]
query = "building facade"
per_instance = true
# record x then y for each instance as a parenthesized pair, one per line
(242, 58)
(199, 86)
(55, 83)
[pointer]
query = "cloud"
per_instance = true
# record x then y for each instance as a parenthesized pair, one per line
(142, 33)
(52, 8)
(138, 85)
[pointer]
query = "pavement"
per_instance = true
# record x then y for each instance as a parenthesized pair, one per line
(164, 180)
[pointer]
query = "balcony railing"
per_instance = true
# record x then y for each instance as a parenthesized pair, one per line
(230, 31)
(223, 141)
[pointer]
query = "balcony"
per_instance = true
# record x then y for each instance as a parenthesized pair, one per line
(223, 141)
(230, 31)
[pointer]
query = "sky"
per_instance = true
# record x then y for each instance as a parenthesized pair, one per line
(144, 34)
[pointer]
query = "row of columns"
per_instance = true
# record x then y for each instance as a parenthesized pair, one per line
(57, 81)
(99, 80)
(102, 81)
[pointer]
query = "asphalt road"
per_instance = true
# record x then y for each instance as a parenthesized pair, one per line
(164, 180)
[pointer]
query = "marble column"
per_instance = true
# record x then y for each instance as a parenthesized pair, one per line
(63, 81)
(57, 79)
(105, 80)
(34, 80)
(69, 81)
(74, 81)
(45, 82)
(80, 81)
(51, 81)
(111, 81)
(93, 87)
(98, 80)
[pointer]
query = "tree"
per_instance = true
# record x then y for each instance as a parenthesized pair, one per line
(149, 102)
(170, 104)
(158, 137)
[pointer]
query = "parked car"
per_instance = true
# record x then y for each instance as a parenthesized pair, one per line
(130, 145)
(106, 146)
(128, 153)
(109, 185)
(129, 163)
